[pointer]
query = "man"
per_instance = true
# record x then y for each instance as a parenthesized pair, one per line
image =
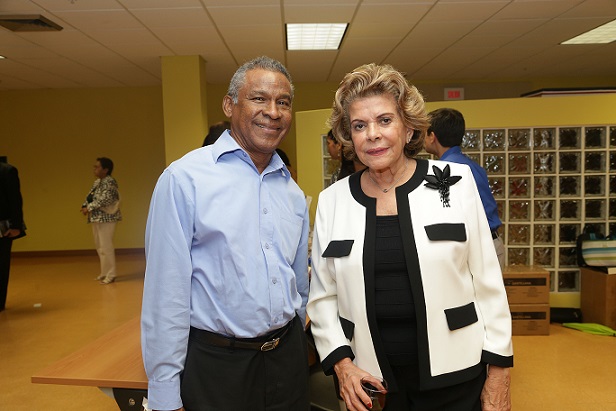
(444, 137)
(226, 280)
(11, 222)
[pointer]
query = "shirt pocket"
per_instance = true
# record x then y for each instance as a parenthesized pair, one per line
(460, 317)
(446, 232)
(290, 235)
(338, 248)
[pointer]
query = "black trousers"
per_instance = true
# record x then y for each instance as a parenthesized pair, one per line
(227, 379)
(5, 267)
(460, 397)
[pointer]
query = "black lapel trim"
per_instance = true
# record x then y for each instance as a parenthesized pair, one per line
(412, 263)
(369, 285)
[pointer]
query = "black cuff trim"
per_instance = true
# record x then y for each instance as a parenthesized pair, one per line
(498, 360)
(335, 356)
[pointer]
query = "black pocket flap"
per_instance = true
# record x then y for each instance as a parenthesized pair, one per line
(348, 328)
(459, 317)
(446, 232)
(338, 248)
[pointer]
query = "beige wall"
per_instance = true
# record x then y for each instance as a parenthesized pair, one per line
(54, 137)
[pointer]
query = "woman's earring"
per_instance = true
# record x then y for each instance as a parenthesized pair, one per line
(408, 138)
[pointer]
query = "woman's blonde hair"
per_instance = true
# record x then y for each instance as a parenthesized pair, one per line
(373, 80)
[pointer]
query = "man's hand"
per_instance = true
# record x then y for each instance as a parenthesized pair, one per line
(496, 395)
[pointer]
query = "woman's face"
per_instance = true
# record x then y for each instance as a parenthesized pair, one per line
(99, 171)
(378, 132)
(333, 149)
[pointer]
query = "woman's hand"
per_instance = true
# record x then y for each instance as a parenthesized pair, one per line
(496, 395)
(84, 210)
(13, 232)
(349, 377)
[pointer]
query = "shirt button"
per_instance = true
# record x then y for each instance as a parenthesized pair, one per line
(265, 211)
(267, 246)
(276, 320)
(274, 281)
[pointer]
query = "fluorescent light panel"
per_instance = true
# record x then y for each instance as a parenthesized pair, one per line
(315, 36)
(601, 35)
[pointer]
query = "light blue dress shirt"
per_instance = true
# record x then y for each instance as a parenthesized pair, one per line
(226, 251)
(455, 155)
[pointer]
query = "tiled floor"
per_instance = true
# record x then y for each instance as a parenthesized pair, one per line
(55, 307)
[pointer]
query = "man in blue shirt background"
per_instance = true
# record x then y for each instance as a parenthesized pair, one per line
(447, 127)
(226, 285)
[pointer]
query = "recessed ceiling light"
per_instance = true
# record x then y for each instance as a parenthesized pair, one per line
(317, 36)
(601, 35)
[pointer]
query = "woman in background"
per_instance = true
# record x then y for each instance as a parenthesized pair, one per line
(102, 206)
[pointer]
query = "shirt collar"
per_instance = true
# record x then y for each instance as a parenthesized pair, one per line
(450, 152)
(227, 144)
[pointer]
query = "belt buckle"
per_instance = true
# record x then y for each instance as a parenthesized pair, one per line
(270, 345)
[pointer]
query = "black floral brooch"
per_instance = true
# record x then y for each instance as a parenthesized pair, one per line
(441, 181)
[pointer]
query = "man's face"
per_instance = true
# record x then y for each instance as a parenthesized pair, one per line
(262, 116)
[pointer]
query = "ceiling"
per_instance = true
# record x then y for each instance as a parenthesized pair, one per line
(118, 43)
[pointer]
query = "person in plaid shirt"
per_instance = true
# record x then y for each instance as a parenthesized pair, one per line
(102, 207)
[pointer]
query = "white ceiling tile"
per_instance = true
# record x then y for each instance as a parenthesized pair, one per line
(159, 4)
(245, 15)
(178, 17)
(310, 66)
(99, 19)
(463, 10)
(68, 5)
(17, 6)
(335, 13)
(320, 3)
(436, 35)
(536, 9)
(405, 13)
(191, 40)
(593, 8)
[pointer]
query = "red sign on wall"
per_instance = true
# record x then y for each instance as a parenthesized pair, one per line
(454, 93)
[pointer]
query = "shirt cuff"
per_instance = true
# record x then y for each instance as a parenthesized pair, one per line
(164, 395)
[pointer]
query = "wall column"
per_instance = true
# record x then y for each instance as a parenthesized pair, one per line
(184, 104)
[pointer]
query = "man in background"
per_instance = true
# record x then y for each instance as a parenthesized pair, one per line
(11, 222)
(447, 128)
(226, 280)
(215, 132)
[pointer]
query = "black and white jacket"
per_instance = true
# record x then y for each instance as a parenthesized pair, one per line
(463, 318)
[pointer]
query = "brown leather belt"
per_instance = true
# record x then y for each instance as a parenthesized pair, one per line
(264, 343)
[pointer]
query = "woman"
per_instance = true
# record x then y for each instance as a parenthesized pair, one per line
(406, 285)
(102, 206)
(347, 166)
(334, 149)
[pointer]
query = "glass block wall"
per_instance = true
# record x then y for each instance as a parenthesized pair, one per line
(549, 182)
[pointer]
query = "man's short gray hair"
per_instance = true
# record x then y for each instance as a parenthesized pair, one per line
(264, 63)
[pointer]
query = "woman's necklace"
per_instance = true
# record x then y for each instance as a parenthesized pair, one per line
(385, 190)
